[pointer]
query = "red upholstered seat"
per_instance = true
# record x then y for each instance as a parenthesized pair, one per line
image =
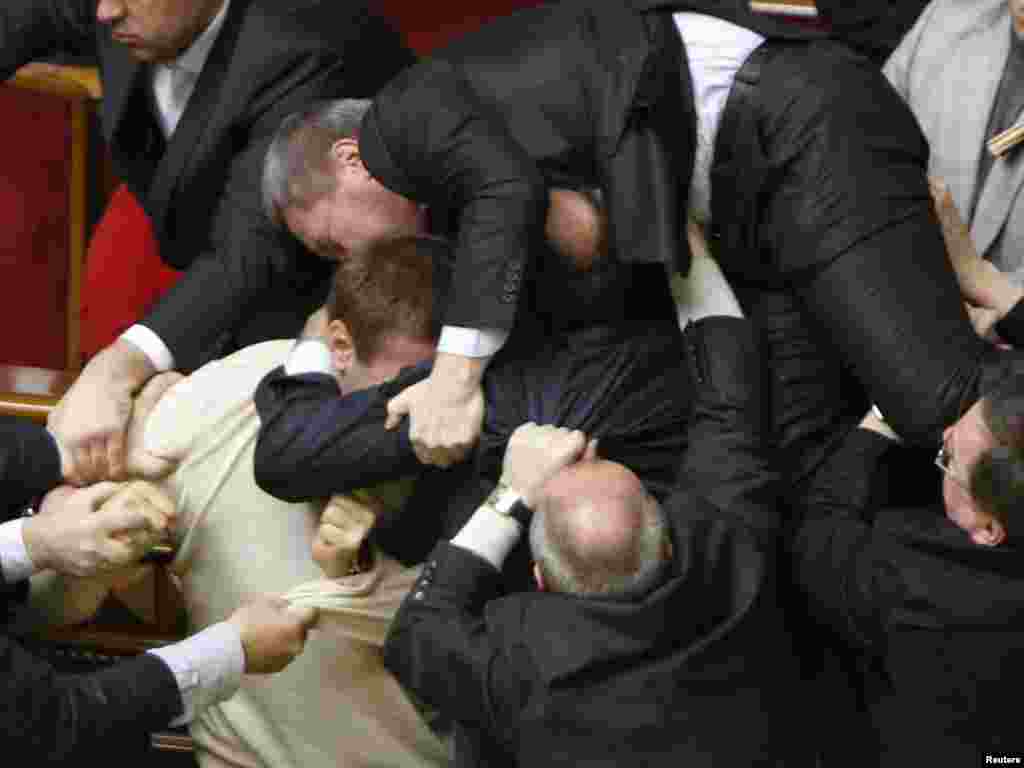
(124, 275)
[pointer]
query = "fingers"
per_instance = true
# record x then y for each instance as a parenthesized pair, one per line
(98, 494)
(306, 616)
(590, 454)
(398, 407)
(115, 456)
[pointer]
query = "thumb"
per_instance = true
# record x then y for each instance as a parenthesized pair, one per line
(100, 493)
(305, 615)
(398, 406)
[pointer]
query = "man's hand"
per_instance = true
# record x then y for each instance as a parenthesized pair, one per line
(91, 419)
(536, 453)
(576, 228)
(984, 322)
(272, 632)
(138, 462)
(981, 283)
(445, 410)
(99, 529)
(344, 525)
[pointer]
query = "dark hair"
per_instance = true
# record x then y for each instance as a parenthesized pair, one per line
(396, 286)
(997, 478)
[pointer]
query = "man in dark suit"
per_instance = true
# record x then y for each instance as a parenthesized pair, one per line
(930, 596)
(192, 92)
(633, 99)
(50, 719)
(655, 637)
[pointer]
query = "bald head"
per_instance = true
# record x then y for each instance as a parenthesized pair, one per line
(597, 532)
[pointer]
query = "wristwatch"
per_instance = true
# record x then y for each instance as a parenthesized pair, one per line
(509, 503)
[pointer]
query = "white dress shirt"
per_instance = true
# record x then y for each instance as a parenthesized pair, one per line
(207, 667)
(715, 51)
(173, 84)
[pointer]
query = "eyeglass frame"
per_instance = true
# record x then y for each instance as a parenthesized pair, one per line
(944, 461)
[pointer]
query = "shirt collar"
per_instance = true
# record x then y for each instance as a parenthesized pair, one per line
(193, 59)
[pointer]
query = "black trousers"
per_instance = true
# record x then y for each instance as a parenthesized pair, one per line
(823, 221)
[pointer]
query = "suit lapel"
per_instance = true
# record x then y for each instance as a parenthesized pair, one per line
(996, 197)
(198, 116)
(960, 144)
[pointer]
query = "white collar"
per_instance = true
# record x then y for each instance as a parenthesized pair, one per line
(193, 58)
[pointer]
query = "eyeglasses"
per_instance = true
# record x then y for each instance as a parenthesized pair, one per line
(944, 461)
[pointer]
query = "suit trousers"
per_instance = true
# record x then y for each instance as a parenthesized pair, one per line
(823, 222)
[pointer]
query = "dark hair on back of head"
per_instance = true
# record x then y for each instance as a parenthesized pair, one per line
(997, 477)
(392, 287)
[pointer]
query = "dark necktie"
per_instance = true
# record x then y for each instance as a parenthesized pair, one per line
(1009, 103)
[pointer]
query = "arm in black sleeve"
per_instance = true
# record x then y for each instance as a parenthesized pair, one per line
(314, 442)
(833, 549)
(428, 138)
(36, 29)
(29, 463)
(50, 719)
(727, 461)
(440, 647)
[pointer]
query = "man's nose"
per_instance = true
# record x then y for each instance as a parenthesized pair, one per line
(109, 11)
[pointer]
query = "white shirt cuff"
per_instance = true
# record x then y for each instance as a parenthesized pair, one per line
(309, 356)
(208, 667)
(152, 346)
(471, 342)
(15, 562)
(490, 535)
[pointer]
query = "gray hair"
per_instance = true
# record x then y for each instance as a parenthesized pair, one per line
(630, 574)
(296, 169)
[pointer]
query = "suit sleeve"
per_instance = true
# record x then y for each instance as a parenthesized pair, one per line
(249, 264)
(428, 137)
(29, 463)
(833, 550)
(314, 442)
(36, 29)
(727, 461)
(440, 647)
(50, 719)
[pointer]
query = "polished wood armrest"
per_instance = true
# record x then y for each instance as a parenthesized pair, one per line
(70, 82)
(32, 392)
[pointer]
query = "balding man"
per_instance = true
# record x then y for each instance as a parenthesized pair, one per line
(654, 630)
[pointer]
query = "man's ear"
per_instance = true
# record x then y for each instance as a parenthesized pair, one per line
(343, 351)
(538, 577)
(345, 153)
(990, 533)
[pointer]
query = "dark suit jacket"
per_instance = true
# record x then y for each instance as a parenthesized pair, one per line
(577, 93)
(47, 719)
(940, 620)
(203, 193)
(693, 674)
(629, 386)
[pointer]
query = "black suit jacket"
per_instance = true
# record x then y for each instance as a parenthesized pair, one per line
(47, 719)
(203, 193)
(939, 619)
(627, 385)
(579, 93)
(698, 673)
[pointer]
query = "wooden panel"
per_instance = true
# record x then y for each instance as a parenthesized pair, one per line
(805, 9)
(31, 392)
